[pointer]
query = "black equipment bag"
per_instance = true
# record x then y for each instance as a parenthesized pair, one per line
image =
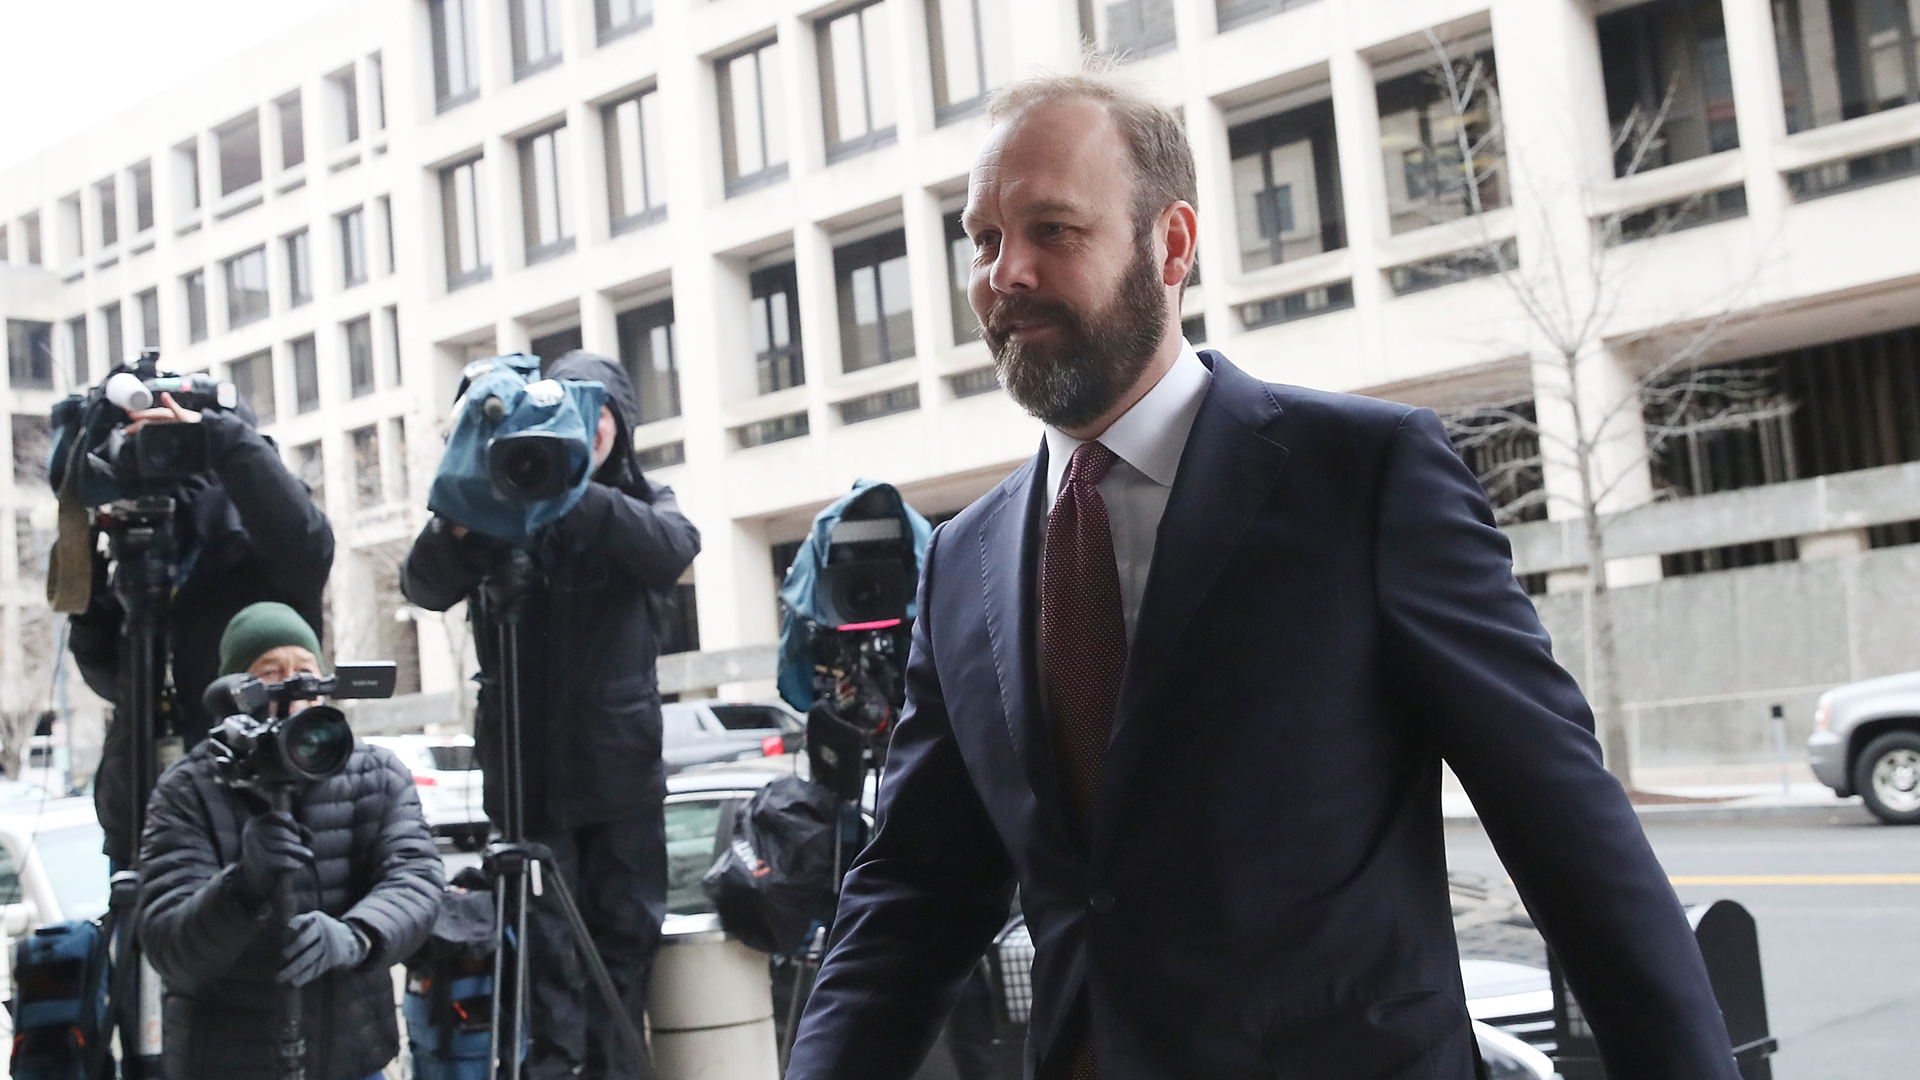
(776, 877)
(60, 1002)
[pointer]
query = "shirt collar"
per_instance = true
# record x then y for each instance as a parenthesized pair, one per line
(1152, 434)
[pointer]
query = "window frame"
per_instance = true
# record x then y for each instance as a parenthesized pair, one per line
(227, 266)
(615, 135)
(872, 138)
(525, 67)
(450, 229)
(1147, 45)
(140, 176)
(264, 359)
(1311, 122)
(356, 336)
(870, 253)
(945, 109)
(304, 358)
(23, 373)
(236, 129)
(526, 151)
(966, 326)
(770, 173)
(352, 232)
(79, 356)
(605, 30)
(777, 367)
(148, 300)
(193, 284)
(445, 97)
(643, 320)
(106, 199)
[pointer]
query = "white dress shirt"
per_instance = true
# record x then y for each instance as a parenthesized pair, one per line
(1148, 439)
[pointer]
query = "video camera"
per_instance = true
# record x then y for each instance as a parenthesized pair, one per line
(92, 432)
(259, 745)
(520, 451)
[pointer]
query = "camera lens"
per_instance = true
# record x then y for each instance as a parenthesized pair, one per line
(317, 742)
(528, 472)
(528, 466)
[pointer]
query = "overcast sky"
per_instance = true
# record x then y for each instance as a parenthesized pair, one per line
(71, 63)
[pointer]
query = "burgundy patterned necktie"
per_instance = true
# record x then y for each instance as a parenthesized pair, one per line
(1083, 635)
(1083, 641)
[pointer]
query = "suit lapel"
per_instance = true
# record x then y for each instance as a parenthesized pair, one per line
(1009, 561)
(1226, 473)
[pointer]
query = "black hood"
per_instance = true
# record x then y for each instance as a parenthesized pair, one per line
(582, 366)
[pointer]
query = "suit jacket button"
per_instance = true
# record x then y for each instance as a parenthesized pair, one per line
(1101, 902)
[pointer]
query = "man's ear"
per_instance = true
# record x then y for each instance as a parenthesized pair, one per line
(1180, 232)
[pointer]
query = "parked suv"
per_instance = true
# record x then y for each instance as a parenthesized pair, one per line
(706, 731)
(1866, 741)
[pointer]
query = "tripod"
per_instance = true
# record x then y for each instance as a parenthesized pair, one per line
(141, 539)
(516, 864)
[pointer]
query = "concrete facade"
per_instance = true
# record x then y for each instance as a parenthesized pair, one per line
(1790, 270)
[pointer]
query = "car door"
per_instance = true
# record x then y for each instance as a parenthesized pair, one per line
(688, 737)
(698, 824)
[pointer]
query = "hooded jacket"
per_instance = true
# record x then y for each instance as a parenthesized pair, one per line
(590, 703)
(246, 531)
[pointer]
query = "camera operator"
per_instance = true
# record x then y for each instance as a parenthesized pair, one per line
(247, 530)
(594, 783)
(367, 883)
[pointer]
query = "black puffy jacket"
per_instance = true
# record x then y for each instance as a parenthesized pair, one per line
(248, 532)
(591, 707)
(216, 949)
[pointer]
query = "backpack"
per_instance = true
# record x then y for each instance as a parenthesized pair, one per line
(60, 1022)
(449, 999)
(776, 878)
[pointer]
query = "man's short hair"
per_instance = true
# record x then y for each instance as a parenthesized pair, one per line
(1156, 141)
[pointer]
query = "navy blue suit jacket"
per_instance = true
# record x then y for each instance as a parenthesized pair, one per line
(1261, 890)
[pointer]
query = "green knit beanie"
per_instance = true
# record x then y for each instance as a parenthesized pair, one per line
(259, 629)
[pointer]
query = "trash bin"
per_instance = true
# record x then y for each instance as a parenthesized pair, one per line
(710, 1005)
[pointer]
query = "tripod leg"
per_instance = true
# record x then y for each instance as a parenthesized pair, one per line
(499, 971)
(597, 968)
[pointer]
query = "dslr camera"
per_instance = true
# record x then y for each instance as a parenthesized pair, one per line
(116, 463)
(260, 745)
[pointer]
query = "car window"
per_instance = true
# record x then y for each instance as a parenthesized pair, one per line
(680, 723)
(452, 758)
(691, 826)
(749, 717)
(9, 877)
(76, 868)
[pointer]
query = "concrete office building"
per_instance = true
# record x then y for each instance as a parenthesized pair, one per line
(753, 204)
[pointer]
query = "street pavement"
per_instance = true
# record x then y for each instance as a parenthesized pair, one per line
(1836, 897)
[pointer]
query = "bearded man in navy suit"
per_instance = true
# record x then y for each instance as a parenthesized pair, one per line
(1187, 678)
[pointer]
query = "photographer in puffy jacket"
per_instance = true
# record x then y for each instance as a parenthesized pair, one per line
(246, 531)
(591, 721)
(367, 880)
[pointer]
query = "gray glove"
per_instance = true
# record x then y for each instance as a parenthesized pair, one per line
(318, 943)
(270, 845)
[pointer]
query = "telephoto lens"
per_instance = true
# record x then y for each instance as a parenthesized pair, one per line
(528, 466)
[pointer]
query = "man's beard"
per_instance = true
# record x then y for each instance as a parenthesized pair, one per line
(1071, 383)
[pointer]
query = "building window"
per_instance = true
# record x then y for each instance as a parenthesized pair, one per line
(617, 18)
(252, 379)
(239, 144)
(29, 354)
(456, 77)
(114, 333)
(875, 406)
(142, 177)
(366, 466)
(343, 101)
(536, 37)
(1233, 14)
(393, 342)
(1669, 87)
(1443, 161)
(186, 176)
(299, 269)
(359, 334)
(856, 81)
(195, 286)
(876, 311)
(32, 443)
(149, 302)
(636, 180)
(1128, 29)
(461, 202)
(107, 196)
(959, 273)
(646, 351)
(30, 237)
(397, 433)
(957, 36)
(775, 314)
(1286, 182)
(353, 247)
(542, 179)
(772, 430)
(293, 137)
(387, 265)
(378, 71)
(73, 241)
(310, 465)
(753, 143)
(306, 374)
(77, 349)
(551, 347)
(246, 287)
(1843, 59)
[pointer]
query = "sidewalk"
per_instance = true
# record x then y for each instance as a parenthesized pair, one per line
(1708, 793)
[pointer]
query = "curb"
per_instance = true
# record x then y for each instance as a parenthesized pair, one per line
(1838, 812)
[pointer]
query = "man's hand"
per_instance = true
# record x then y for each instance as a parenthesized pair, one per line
(316, 944)
(169, 412)
(270, 845)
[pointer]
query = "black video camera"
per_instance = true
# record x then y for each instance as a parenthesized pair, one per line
(259, 745)
(117, 463)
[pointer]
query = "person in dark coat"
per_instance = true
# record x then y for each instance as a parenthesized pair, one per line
(367, 879)
(591, 720)
(246, 531)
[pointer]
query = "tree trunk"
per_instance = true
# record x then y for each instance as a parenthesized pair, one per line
(1603, 680)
